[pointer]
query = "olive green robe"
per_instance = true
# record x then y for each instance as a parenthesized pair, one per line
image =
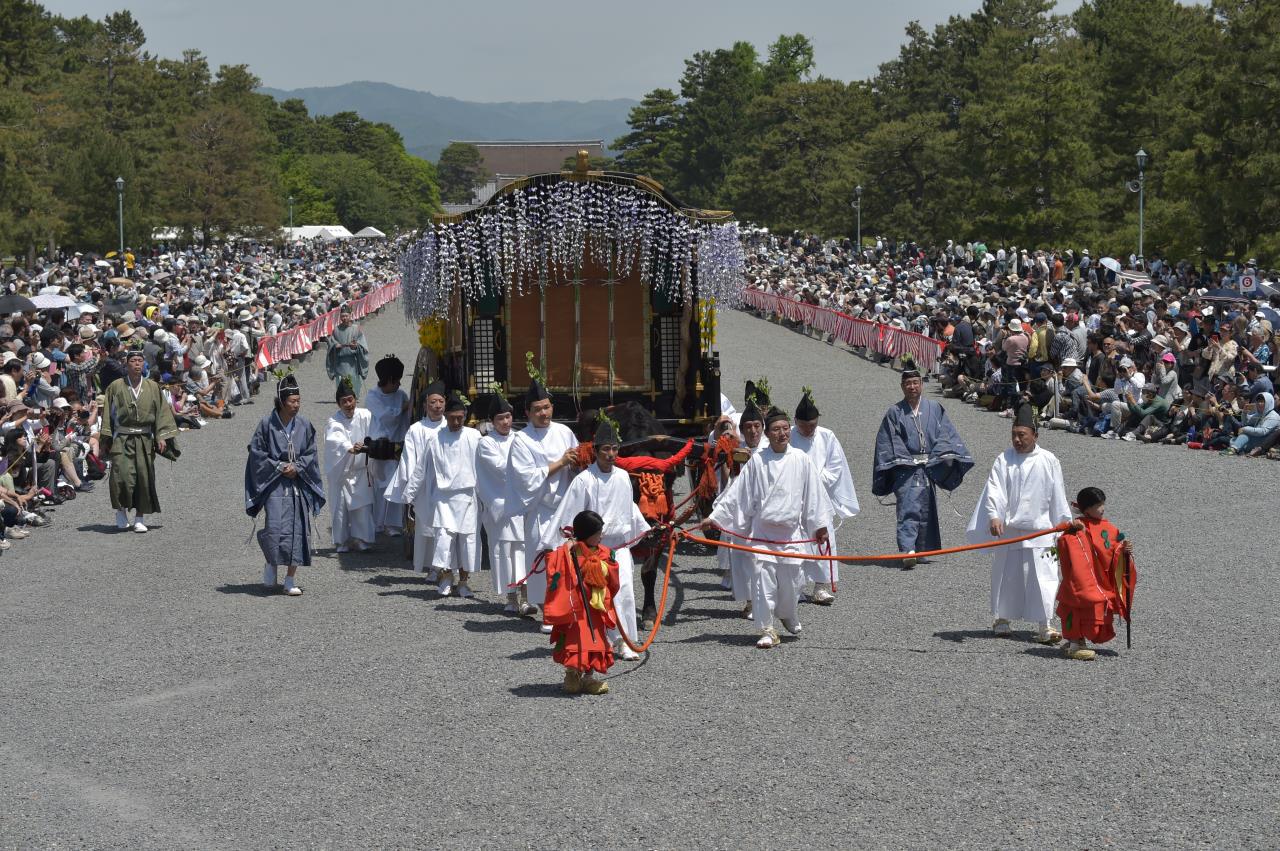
(135, 426)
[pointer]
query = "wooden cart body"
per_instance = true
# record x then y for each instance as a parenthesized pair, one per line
(600, 330)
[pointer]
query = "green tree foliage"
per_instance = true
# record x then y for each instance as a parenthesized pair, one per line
(794, 170)
(717, 87)
(461, 171)
(217, 179)
(82, 102)
(1011, 124)
(645, 149)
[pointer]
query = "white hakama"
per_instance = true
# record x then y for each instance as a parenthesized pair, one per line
(779, 497)
(412, 457)
(348, 490)
(536, 495)
(1024, 584)
(390, 412)
(505, 533)
(741, 565)
(826, 453)
(449, 478)
(609, 495)
(1026, 493)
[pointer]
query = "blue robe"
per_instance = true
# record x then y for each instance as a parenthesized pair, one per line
(290, 503)
(897, 471)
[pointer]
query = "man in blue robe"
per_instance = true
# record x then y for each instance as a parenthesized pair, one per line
(282, 476)
(917, 450)
(348, 355)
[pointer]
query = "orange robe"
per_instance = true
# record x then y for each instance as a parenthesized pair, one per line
(1089, 595)
(578, 627)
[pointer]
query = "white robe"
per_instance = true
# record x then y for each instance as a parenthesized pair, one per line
(531, 492)
(445, 485)
(778, 496)
(412, 457)
(390, 412)
(739, 564)
(1026, 493)
(609, 495)
(826, 453)
(505, 532)
(347, 488)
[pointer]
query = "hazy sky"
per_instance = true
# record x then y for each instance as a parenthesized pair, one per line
(493, 50)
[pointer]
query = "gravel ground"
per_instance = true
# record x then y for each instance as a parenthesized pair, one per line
(154, 698)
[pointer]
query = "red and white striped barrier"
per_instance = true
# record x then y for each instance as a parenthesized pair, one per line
(302, 339)
(862, 333)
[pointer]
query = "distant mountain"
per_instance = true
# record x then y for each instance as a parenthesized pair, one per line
(427, 122)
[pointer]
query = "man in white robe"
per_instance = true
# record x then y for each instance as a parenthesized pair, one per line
(346, 471)
(739, 567)
(543, 459)
(826, 453)
(606, 490)
(504, 532)
(412, 457)
(1024, 493)
(448, 478)
(389, 407)
(778, 497)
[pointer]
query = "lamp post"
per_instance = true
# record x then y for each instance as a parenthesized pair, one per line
(857, 205)
(291, 215)
(120, 212)
(1142, 185)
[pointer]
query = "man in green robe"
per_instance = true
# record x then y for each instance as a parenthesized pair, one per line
(348, 355)
(141, 425)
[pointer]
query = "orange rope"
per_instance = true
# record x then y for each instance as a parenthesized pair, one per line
(1061, 527)
(662, 601)
(677, 534)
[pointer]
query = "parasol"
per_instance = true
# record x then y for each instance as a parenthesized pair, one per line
(1137, 280)
(1111, 263)
(1223, 295)
(16, 304)
(49, 301)
(118, 306)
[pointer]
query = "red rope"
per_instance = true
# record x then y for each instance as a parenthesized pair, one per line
(541, 559)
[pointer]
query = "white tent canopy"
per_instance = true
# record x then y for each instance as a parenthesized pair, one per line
(326, 233)
(370, 233)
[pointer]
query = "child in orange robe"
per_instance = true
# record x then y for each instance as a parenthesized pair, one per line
(582, 578)
(1096, 583)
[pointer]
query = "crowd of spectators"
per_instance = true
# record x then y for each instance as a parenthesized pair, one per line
(1154, 351)
(197, 314)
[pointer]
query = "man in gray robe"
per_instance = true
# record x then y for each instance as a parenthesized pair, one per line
(282, 475)
(348, 355)
(917, 450)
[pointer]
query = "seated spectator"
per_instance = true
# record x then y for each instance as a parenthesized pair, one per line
(1256, 380)
(1258, 426)
(1149, 414)
(207, 390)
